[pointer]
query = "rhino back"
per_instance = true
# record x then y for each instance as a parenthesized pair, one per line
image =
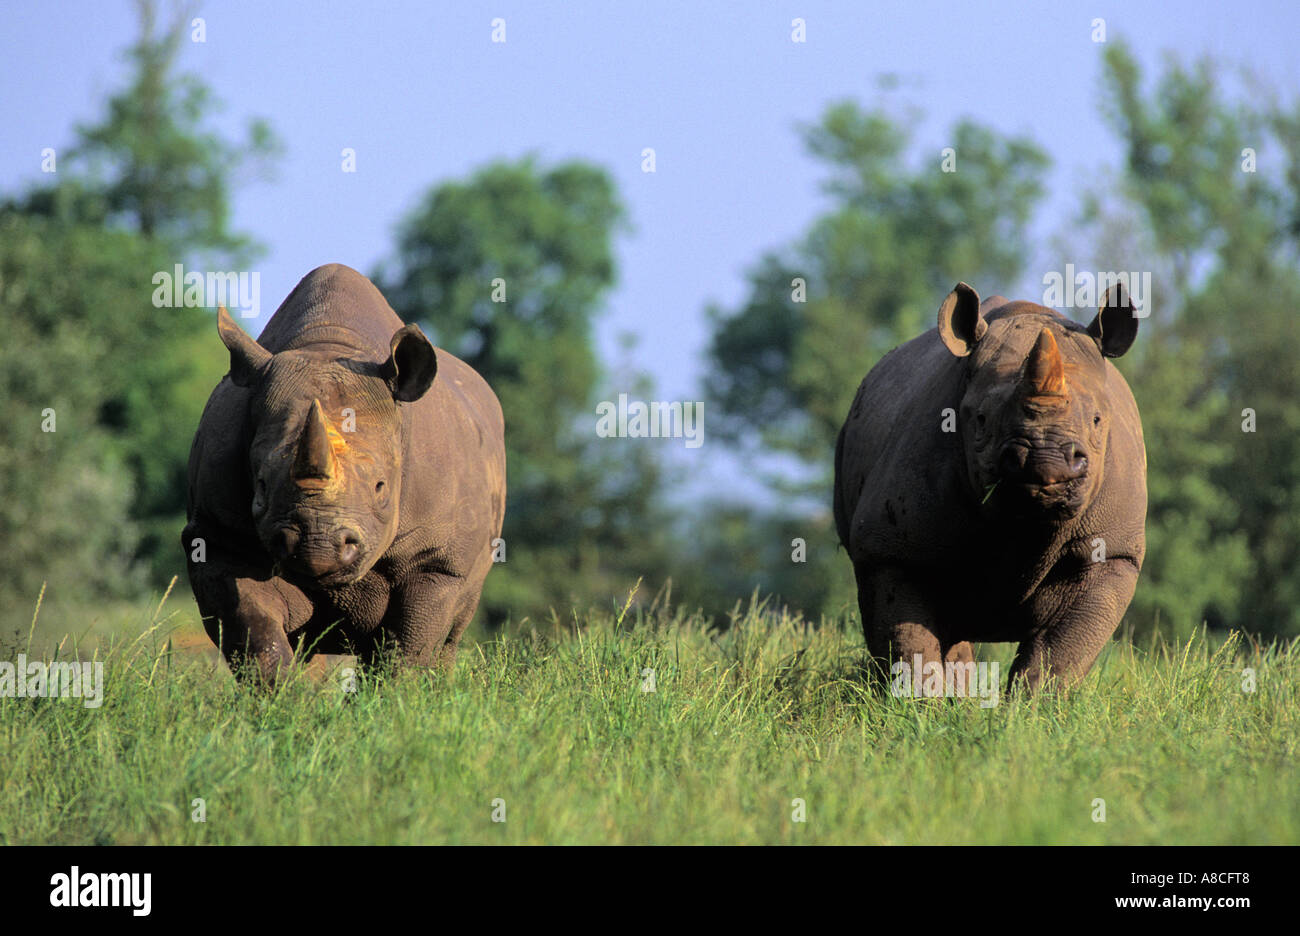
(333, 304)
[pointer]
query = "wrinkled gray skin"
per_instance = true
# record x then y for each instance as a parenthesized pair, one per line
(990, 532)
(345, 472)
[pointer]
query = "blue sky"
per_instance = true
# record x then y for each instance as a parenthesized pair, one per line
(717, 89)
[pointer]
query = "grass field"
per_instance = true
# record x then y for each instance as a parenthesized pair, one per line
(554, 722)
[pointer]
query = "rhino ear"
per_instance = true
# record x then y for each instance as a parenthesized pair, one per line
(1116, 324)
(247, 357)
(960, 322)
(411, 365)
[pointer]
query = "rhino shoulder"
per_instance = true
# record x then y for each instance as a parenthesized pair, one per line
(1126, 420)
(1118, 515)
(469, 389)
(219, 490)
(900, 466)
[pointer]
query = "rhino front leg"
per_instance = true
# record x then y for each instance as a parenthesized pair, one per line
(1077, 614)
(960, 652)
(898, 621)
(249, 617)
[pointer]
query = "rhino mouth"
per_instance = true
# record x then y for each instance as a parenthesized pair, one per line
(1038, 475)
(336, 578)
(333, 576)
(1055, 496)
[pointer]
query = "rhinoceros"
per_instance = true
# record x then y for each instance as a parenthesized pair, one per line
(990, 485)
(346, 483)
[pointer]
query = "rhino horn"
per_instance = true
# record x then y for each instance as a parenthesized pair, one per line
(1044, 373)
(314, 464)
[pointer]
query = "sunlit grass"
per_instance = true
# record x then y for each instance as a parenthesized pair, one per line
(554, 722)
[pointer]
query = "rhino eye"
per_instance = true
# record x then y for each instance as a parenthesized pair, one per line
(1096, 420)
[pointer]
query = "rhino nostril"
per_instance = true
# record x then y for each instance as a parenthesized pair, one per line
(348, 543)
(1076, 459)
(1012, 460)
(285, 542)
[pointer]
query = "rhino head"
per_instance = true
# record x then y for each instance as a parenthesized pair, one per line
(326, 450)
(1035, 415)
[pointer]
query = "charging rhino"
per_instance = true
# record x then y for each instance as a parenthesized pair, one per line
(990, 485)
(345, 484)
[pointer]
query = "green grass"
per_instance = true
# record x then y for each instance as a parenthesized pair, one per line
(555, 723)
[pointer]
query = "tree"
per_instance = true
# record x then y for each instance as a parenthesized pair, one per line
(154, 163)
(65, 496)
(1214, 176)
(143, 189)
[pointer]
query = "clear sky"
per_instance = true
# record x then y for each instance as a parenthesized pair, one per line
(718, 89)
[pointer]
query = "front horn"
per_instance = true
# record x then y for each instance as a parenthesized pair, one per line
(314, 465)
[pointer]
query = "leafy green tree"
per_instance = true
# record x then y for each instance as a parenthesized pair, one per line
(153, 160)
(65, 497)
(732, 550)
(1212, 169)
(141, 190)
(1198, 563)
(153, 167)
